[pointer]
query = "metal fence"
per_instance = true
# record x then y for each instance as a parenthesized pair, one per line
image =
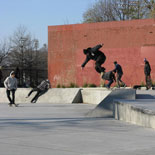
(25, 77)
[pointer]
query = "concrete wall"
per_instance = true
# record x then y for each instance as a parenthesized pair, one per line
(54, 95)
(100, 96)
(138, 114)
(128, 42)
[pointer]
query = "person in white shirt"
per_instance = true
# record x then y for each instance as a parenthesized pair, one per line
(10, 84)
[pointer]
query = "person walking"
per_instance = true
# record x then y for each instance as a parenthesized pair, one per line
(96, 55)
(41, 89)
(10, 84)
(119, 71)
(110, 76)
(147, 72)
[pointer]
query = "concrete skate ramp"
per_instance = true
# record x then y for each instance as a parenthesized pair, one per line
(105, 107)
(54, 95)
(140, 112)
(94, 95)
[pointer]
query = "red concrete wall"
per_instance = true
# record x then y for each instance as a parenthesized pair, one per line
(127, 42)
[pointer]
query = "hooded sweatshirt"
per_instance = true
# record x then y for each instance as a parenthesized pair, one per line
(10, 83)
(45, 84)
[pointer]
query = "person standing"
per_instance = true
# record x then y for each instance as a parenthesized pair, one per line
(147, 72)
(110, 76)
(119, 71)
(96, 55)
(41, 89)
(10, 84)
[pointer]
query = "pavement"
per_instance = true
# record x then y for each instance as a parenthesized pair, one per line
(63, 129)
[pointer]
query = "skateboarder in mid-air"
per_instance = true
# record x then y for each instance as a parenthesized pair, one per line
(96, 55)
(110, 76)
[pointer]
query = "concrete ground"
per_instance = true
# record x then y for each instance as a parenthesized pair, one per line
(47, 129)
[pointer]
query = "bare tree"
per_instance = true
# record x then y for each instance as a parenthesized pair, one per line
(4, 51)
(101, 11)
(25, 56)
(150, 5)
(111, 10)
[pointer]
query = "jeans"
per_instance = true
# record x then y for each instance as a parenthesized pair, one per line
(110, 82)
(38, 94)
(12, 101)
(148, 81)
(100, 60)
(118, 79)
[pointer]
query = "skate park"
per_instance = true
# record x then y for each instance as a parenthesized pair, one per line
(84, 121)
(129, 105)
(80, 122)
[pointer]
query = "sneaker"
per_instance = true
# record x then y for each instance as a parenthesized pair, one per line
(33, 101)
(107, 87)
(10, 105)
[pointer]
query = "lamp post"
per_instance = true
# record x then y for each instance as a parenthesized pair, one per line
(22, 43)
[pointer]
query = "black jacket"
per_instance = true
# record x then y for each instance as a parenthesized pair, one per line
(147, 68)
(93, 54)
(108, 76)
(118, 69)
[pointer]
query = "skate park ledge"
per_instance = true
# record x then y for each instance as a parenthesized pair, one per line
(138, 112)
(62, 95)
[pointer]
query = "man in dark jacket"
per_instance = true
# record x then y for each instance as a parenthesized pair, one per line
(147, 72)
(110, 76)
(41, 89)
(119, 71)
(96, 55)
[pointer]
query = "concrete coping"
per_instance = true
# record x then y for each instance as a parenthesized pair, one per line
(137, 107)
(139, 112)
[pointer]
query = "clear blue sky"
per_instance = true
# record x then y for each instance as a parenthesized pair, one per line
(37, 15)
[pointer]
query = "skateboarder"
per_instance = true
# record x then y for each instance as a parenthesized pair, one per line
(119, 71)
(96, 55)
(147, 72)
(41, 89)
(10, 84)
(110, 76)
